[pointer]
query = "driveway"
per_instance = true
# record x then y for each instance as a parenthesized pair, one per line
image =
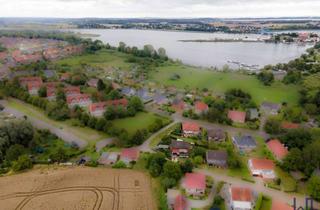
(62, 134)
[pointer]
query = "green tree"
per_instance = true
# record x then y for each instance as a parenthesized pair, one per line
(172, 170)
(23, 162)
(313, 187)
(60, 155)
(266, 77)
(42, 92)
(136, 104)
(187, 166)
(101, 85)
(273, 126)
(14, 152)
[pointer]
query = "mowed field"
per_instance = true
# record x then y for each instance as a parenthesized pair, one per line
(220, 82)
(77, 188)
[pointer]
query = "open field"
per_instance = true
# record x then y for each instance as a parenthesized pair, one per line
(219, 82)
(85, 133)
(142, 120)
(76, 188)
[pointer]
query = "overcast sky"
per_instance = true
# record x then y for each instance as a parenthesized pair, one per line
(159, 8)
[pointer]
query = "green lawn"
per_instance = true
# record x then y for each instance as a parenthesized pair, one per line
(266, 203)
(85, 133)
(156, 140)
(288, 184)
(219, 82)
(142, 120)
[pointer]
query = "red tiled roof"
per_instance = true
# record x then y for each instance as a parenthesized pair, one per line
(93, 82)
(262, 164)
(241, 194)
(51, 84)
(65, 76)
(289, 125)
(102, 105)
(277, 148)
(200, 106)
(180, 106)
(51, 92)
(130, 153)
(195, 181)
(34, 85)
(237, 116)
(276, 205)
(190, 126)
(180, 203)
(25, 80)
(77, 98)
(72, 90)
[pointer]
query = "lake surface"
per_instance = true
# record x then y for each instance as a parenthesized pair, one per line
(206, 54)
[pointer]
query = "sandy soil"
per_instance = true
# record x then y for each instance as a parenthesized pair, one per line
(78, 188)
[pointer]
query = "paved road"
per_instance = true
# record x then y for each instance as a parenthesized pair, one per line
(101, 144)
(64, 135)
(203, 203)
(257, 187)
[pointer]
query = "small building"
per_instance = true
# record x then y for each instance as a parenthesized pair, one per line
(217, 158)
(93, 83)
(237, 116)
(277, 149)
(194, 184)
(253, 114)
(128, 91)
(160, 99)
(51, 94)
(289, 125)
(171, 197)
(270, 108)
(65, 77)
(129, 155)
(24, 81)
(241, 198)
(178, 105)
(278, 205)
(262, 167)
(279, 75)
(190, 129)
(201, 107)
(244, 143)
(98, 109)
(144, 95)
(49, 73)
(82, 100)
(180, 148)
(108, 158)
(216, 135)
(33, 87)
(72, 90)
(180, 203)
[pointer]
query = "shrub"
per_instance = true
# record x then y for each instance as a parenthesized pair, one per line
(23, 162)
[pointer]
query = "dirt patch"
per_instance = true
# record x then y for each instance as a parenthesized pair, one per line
(78, 188)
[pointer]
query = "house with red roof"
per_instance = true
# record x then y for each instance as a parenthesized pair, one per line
(129, 155)
(190, 129)
(278, 205)
(51, 94)
(262, 167)
(72, 90)
(65, 76)
(178, 105)
(237, 116)
(201, 107)
(93, 83)
(179, 149)
(98, 109)
(3, 56)
(82, 100)
(180, 203)
(241, 198)
(23, 81)
(277, 149)
(289, 125)
(194, 184)
(33, 87)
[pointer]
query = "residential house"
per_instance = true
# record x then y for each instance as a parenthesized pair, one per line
(72, 91)
(237, 116)
(217, 158)
(82, 100)
(180, 203)
(93, 83)
(33, 87)
(108, 158)
(171, 197)
(253, 114)
(144, 95)
(190, 129)
(129, 155)
(65, 76)
(128, 91)
(277, 149)
(178, 105)
(216, 135)
(279, 75)
(160, 99)
(289, 125)
(98, 109)
(179, 148)
(201, 107)
(115, 86)
(241, 198)
(194, 184)
(51, 94)
(278, 205)
(244, 143)
(270, 108)
(262, 167)
(23, 81)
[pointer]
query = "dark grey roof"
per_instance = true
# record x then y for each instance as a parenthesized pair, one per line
(180, 144)
(49, 73)
(216, 133)
(128, 91)
(217, 155)
(159, 98)
(144, 95)
(269, 105)
(245, 141)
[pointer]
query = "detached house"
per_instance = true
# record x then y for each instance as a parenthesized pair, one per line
(190, 129)
(201, 107)
(241, 198)
(65, 76)
(179, 148)
(51, 94)
(216, 135)
(129, 155)
(217, 158)
(98, 109)
(262, 167)
(33, 87)
(244, 143)
(82, 100)
(277, 149)
(194, 184)
(32, 84)
(178, 105)
(270, 108)
(93, 83)
(72, 90)
(237, 116)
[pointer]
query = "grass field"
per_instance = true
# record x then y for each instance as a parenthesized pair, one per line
(219, 82)
(141, 121)
(85, 133)
(266, 203)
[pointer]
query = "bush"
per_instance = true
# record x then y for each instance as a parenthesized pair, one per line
(23, 162)
(119, 164)
(14, 152)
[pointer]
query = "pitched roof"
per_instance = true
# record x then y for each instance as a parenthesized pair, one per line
(180, 203)
(200, 106)
(77, 98)
(102, 105)
(217, 155)
(248, 141)
(269, 105)
(34, 85)
(278, 149)
(241, 194)
(277, 205)
(93, 82)
(195, 181)
(25, 80)
(237, 116)
(179, 145)
(289, 125)
(190, 126)
(216, 133)
(72, 90)
(130, 153)
(262, 164)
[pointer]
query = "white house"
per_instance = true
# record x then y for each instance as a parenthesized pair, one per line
(241, 198)
(262, 167)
